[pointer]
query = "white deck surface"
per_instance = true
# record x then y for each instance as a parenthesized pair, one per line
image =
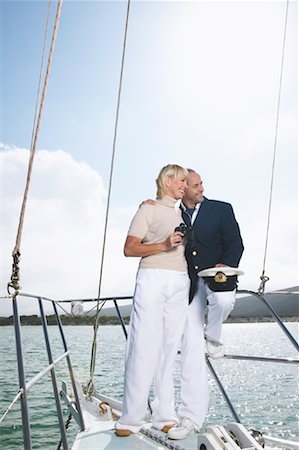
(102, 440)
(99, 433)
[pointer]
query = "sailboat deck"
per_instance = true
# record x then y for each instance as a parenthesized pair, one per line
(105, 438)
(101, 435)
(99, 430)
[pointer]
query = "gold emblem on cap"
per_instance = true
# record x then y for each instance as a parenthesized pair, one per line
(220, 277)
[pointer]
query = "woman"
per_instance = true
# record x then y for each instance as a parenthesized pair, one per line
(159, 306)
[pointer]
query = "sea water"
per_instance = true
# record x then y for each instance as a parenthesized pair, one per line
(264, 395)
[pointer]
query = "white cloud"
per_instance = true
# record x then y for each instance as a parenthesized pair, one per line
(62, 236)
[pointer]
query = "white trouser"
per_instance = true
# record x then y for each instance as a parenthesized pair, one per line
(157, 321)
(194, 380)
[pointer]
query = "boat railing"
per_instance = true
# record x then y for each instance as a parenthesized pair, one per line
(275, 316)
(287, 333)
(25, 386)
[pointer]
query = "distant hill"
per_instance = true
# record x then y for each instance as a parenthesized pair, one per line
(284, 302)
(125, 310)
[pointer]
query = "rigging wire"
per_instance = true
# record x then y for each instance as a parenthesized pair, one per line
(263, 277)
(96, 325)
(40, 73)
(14, 281)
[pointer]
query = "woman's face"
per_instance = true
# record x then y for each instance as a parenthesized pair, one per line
(176, 187)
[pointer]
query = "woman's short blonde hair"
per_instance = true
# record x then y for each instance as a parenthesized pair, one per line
(171, 170)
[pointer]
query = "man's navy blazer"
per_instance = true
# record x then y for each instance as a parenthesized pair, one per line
(214, 238)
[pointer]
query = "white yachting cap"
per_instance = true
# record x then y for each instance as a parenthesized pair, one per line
(227, 270)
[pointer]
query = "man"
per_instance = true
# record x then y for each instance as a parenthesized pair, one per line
(214, 241)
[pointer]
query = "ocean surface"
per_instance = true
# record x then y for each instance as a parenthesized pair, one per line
(265, 395)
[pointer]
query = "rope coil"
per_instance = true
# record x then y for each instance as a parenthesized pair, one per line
(15, 275)
(264, 279)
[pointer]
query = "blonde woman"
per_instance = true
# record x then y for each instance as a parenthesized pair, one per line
(160, 305)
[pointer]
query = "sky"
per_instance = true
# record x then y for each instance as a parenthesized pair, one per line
(200, 89)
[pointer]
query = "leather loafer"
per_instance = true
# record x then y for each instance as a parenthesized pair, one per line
(168, 427)
(123, 433)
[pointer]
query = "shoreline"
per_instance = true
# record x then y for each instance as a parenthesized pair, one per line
(34, 320)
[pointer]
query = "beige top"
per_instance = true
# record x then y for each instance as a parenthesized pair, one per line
(153, 224)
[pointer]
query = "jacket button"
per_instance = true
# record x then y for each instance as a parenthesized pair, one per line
(196, 267)
(194, 253)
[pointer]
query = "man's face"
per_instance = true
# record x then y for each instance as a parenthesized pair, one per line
(194, 192)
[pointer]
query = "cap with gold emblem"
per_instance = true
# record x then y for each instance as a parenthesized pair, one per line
(221, 278)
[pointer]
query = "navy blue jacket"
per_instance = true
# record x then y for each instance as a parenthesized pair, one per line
(214, 238)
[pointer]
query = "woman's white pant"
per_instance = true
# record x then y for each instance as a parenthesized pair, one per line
(157, 321)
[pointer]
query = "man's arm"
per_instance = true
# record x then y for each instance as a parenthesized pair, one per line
(149, 201)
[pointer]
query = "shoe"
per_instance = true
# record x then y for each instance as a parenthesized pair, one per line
(123, 433)
(214, 349)
(182, 430)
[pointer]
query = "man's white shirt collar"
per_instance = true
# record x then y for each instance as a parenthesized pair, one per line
(195, 212)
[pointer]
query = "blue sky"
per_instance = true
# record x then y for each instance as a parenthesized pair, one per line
(200, 89)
